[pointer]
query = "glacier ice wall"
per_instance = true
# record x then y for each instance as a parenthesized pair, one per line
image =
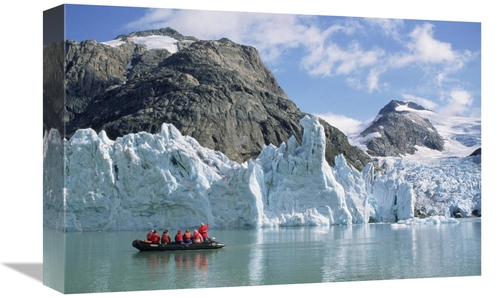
(143, 181)
(449, 186)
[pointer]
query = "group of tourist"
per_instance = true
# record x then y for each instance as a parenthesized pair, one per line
(198, 236)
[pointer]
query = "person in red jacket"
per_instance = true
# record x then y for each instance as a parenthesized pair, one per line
(155, 238)
(178, 237)
(165, 237)
(197, 239)
(203, 230)
(148, 237)
(187, 237)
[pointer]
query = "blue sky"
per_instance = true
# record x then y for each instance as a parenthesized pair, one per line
(344, 69)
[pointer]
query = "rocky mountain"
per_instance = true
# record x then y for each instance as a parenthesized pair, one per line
(398, 129)
(53, 90)
(216, 91)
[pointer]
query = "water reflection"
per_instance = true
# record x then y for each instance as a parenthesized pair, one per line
(344, 255)
(96, 262)
(188, 260)
(255, 266)
(197, 260)
(54, 258)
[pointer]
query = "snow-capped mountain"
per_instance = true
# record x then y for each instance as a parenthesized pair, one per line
(441, 178)
(461, 135)
(407, 129)
(139, 81)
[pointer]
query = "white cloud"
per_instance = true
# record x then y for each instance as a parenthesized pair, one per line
(423, 48)
(270, 33)
(348, 126)
(372, 80)
(389, 27)
(354, 83)
(328, 49)
(460, 97)
(332, 59)
(453, 109)
(426, 103)
(436, 58)
(458, 103)
(440, 78)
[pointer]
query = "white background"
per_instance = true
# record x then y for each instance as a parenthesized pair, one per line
(21, 145)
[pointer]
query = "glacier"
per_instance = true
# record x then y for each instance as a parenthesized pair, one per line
(448, 186)
(143, 181)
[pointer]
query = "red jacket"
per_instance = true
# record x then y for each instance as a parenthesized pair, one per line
(187, 237)
(165, 238)
(197, 237)
(155, 238)
(178, 237)
(148, 237)
(203, 230)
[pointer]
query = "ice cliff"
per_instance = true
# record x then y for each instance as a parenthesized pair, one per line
(167, 180)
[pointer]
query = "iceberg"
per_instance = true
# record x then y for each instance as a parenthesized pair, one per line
(166, 180)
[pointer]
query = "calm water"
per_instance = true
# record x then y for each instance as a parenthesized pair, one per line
(106, 261)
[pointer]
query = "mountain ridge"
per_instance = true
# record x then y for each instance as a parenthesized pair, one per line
(454, 136)
(217, 91)
(397, 132)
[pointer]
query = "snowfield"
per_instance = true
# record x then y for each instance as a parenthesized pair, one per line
(151, 42)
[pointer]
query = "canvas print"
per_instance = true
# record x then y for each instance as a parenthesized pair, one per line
(191, 149)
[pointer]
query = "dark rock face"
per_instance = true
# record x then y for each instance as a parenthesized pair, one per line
(53, 87)
(396, 133)
(91, 68)
(476, 152)
(218, 92)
